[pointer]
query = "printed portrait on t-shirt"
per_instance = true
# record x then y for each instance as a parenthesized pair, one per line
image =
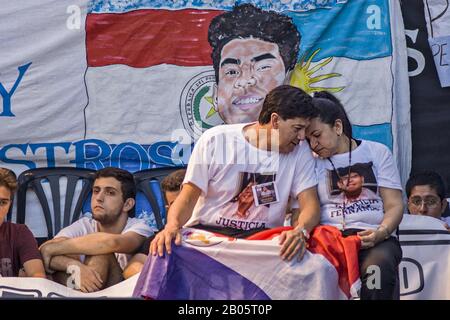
(353, 182)
(254, 194)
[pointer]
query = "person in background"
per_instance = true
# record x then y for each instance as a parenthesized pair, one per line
(19, 253)
(91, 253)
(426, 196)
(170, 187)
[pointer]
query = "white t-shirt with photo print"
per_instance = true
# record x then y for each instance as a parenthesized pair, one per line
(365, 212)
(224, 163)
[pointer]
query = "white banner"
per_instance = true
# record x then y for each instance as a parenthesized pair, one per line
(425, 268)
(95, 83)
(19, 288)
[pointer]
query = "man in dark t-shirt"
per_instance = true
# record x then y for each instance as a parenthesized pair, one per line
(18, 247)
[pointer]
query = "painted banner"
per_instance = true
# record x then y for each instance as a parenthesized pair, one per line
(437, 15)
(133, 84)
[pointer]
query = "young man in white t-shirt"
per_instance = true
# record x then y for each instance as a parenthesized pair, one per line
(230, 163)
(91, 253)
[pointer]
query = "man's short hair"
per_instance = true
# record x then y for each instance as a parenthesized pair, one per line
(125, 178)
(8, 180)
(288, 102)
(173, 181)
(248, 21)
(426, 178)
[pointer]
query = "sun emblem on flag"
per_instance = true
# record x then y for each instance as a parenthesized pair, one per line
(200, 238)
(303, 75)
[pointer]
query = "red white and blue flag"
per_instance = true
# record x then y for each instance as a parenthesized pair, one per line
(209, 266)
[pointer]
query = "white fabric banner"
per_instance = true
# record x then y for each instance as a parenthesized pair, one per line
(19, 288)
(425, 268)
(95, 83)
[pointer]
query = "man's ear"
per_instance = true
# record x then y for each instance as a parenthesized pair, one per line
(444, 203)
(215, 97)
(129, 204)
(275, 120)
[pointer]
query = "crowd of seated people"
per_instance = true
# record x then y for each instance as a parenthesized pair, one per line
(319, 169)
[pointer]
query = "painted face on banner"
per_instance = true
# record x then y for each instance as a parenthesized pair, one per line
(248, 70)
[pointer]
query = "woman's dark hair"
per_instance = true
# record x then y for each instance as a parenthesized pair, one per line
(330, 109)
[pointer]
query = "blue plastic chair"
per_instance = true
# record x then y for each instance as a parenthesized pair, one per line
(35, 178)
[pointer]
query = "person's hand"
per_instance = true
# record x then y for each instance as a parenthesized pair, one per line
(369, 238)
(292, 242)
(46, 253)
(85, 278)
(164, 240)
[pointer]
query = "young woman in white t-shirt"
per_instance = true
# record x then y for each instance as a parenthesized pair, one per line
(375, 217)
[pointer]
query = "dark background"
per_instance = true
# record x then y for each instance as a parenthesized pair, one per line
(430, 104)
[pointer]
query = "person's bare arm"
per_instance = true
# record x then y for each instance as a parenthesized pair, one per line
(93, 244)
(61, 263)
(307, 217)
(54, 240)
(179, 213)
(34, 268)
(393, 214)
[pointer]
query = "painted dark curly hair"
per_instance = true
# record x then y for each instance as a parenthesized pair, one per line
(248, 21)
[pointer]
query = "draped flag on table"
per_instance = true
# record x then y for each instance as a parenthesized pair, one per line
(210, 266)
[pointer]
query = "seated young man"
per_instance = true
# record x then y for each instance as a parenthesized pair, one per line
(426, 196)
(105, 242)
(170, 186)
(19, 254)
